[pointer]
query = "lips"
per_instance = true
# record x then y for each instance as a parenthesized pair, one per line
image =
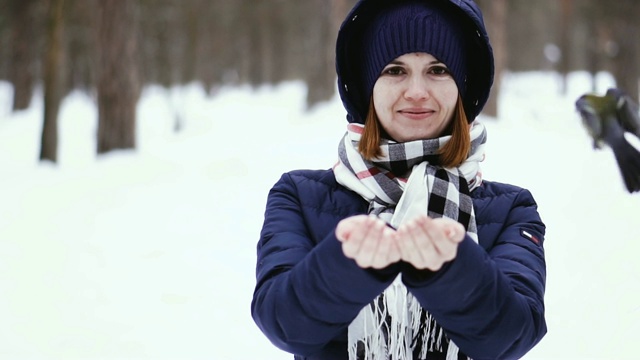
(416, 113)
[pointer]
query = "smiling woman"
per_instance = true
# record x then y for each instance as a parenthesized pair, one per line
(402, 250)
(415, 97)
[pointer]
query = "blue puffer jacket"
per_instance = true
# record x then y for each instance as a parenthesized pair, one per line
(489, 299)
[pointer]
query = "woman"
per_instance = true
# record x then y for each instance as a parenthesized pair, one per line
(402, 250)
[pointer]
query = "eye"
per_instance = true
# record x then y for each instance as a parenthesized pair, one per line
(439, 70)
(393, 71)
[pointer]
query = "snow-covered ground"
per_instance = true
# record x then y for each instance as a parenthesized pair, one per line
(149, 254)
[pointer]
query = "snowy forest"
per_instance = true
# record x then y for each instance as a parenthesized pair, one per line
(139, 140)
(112, 49)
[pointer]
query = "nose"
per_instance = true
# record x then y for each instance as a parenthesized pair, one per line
(417, 88)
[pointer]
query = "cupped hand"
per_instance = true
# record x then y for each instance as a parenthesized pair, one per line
(428, 243)
(368, 240)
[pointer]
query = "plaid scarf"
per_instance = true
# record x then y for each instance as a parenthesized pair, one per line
(403, 182)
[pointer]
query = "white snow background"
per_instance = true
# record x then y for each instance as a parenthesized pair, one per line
(150, 253)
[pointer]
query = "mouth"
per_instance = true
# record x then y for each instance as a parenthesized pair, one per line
(416, 113)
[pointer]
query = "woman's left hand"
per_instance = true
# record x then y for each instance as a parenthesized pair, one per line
(368, 240)
(428, 243)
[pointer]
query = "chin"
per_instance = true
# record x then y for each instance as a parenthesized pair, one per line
(421, 136)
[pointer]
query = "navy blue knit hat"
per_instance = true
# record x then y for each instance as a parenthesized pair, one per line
(447, 29)
(408, 27)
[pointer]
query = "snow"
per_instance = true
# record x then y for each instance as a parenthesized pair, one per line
(150, 253)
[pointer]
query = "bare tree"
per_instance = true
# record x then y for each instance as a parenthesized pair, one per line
(21, 72)
(320, 76)
(624, 25)
(497, 28)
(566, 16)
(118, 75)
(53, 76)
(79, 39)
(612, 41)
(592, 24)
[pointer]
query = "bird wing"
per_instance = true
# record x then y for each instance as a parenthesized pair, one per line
(590, 119)
(627, 111)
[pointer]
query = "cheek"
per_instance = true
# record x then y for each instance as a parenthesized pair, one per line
(450, 96)
(381, 97)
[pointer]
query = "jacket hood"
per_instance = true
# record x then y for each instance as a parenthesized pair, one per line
(480, 68)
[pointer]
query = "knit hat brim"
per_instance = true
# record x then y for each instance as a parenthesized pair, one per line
(409, 27)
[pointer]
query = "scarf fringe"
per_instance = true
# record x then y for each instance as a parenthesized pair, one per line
(395, 325)
(387, 330)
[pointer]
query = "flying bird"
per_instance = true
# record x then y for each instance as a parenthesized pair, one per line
(607, 118)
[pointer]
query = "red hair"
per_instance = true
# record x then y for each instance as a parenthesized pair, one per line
(452, 154)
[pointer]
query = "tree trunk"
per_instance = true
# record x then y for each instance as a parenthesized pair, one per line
(320, 77)
(598, 33)
(565, 42)
(625, 62)
(20, 64)
(118, 75)
(192, 19)
(497, 28)
(53, 76)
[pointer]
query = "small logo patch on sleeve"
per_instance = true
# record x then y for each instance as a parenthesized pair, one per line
(530, 236)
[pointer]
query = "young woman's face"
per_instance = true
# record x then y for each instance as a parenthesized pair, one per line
(415, 97)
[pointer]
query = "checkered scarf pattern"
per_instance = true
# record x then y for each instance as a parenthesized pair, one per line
(383, 180)
(403, 182)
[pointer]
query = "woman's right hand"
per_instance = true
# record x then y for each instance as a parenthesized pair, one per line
(368, 240)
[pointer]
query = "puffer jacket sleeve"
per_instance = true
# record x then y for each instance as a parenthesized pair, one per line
(307, 291)
(490, 301)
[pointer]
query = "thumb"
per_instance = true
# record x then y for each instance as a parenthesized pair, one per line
(455, 232)
(346, 227)
(342, 231)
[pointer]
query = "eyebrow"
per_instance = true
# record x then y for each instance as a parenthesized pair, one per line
(398, 62)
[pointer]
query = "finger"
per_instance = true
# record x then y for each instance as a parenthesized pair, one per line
(453, 230)
(343, 231)
(369, 246)
(346, 227)
(357, 229)
(387, 252)
(394, 250)
(426, 243)
(414, 248)
(438, 231)
(456, 232)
